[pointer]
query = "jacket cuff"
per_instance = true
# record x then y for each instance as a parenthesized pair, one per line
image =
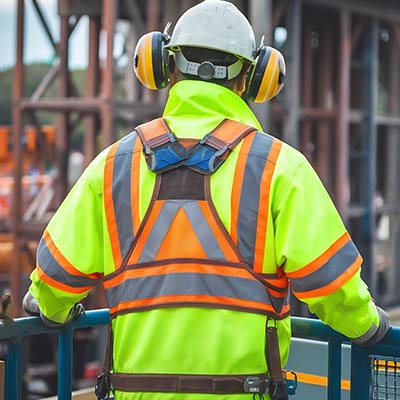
(375, 333)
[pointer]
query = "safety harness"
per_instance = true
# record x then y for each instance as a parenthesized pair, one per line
(182, 196)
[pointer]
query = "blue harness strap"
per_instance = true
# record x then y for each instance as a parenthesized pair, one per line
(163, 151)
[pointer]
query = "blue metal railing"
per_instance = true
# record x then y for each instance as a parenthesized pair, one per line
(14, 331)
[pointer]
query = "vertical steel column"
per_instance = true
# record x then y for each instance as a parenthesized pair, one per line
(324, 99)
(393, 156)
(92, 88)
(107, 111)
(261, 20)
(370, 60)
(62, 119)
(292, 87)
(18, 92)
(342, 127)
(306, 91)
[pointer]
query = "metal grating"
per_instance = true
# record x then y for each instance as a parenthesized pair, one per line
(385, 378)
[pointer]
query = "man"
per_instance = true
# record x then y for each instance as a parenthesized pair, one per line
(196, 223)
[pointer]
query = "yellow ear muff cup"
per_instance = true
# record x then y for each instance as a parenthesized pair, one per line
(149, 61)
(268, 75)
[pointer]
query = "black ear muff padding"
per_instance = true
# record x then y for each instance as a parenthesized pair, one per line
(150, 63)
(159, 65)
(268, 75)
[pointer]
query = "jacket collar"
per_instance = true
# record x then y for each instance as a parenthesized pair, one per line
(194, 108)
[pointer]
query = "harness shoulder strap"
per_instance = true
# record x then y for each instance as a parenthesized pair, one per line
(154, 133)
(163, 151)
(215, 147)
(227, 135)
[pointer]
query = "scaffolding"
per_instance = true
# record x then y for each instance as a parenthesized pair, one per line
(340, 105)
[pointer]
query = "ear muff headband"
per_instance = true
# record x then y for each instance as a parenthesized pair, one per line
(268, 75)
(149, 61)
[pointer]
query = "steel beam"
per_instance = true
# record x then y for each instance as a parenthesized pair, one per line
(392, 194)
(107, 118)
(388, 10)
(92, 89)
(370, 61)
(306, 93)
(18, 91)
(323, 156)
(342, 185)
(292, 87)
(62, 118)
(261, 20)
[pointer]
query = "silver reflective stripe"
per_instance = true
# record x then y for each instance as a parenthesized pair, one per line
(53, 269)
(199, 224)
(203, 231)
(159, 230)
(121, 191)
(328, 272)
(250, 195)
(187, 284)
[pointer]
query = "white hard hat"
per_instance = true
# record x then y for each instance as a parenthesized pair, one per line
(217, 25)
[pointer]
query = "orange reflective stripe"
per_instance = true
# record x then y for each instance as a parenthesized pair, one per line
(135, 186)
(334, 285)
(227, 249)
(312, 379)
(109, 206)
(322, 259)
(152, 129)
(205, 299)
(229, 131)
(64, 263)
(177, 268)
(264, 205)
(134, 258)
(58, 285)
(237, 184)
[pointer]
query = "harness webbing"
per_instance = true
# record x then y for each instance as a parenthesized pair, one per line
(183, 256)
(163, 151)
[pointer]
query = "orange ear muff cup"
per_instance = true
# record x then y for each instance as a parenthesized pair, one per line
(268, 75)
(149, 61)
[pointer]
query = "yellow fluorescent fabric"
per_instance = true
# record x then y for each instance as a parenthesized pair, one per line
(302, 226)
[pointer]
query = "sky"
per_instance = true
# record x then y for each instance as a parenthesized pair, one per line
(37, 46)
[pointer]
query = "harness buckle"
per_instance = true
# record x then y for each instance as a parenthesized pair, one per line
(255, 384)
(103, 386)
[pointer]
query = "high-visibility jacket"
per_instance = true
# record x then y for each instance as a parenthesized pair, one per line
(271, 204)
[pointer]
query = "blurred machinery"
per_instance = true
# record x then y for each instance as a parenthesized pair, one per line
(340, 105)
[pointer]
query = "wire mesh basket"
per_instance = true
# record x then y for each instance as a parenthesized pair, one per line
(385, 378)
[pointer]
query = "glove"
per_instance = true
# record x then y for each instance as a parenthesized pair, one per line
(30, 304)
(383, 328)
(31, 307)
(74, 314)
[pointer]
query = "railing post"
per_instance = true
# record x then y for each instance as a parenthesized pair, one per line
(334, 373)
(65, 349)
(360, 373)
(13, 375)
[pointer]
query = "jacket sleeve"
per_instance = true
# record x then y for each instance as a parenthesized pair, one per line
(73, 249)
(321, 261)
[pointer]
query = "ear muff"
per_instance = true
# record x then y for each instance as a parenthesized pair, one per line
(150, 60)
(268, 75)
